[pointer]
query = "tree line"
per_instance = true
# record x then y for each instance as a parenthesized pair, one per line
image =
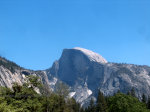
(119, 102)
(25, 98)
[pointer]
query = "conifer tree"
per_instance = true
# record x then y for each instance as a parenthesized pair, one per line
(133, 92)
(144, 98)
(91, 107)
(101, 105)
(62, 89)
(118, 91)
(128, 93)
(148, 102)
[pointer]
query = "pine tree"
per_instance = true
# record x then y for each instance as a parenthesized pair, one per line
(118, 91)
(128, 93)
(62, 89)
(133, 92)
(91, 107)
(144, 98)
(125, 103)
(148, 102)
(101, 105)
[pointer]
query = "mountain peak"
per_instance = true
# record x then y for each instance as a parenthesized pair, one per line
(92, 55)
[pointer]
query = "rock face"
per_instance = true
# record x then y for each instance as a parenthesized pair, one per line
(92, 56)
(85, 72)
(7, 78)
(11, 73)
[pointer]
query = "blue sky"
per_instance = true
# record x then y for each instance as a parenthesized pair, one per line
(33, 33)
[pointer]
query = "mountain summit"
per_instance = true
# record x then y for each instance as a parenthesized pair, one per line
(85, 72)
(91, 55)
(77, 63)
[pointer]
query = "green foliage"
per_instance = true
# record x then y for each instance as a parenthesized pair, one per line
(62, 89)
(148, 102)
(73, 105)
(144, 98)
(23, 98)
(91, 107)
(125, 103)
(133, 92)
(4, 107)
(101, 105)
(119, 102)
(33, 81)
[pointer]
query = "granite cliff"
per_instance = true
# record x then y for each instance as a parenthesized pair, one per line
(85, 72)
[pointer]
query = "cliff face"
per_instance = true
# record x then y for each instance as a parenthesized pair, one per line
(123, 77)
(11, 73)
(85, 72)
(7, 78)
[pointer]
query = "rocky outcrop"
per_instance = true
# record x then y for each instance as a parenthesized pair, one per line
(7, 78)
(86, 72)
(11, 73)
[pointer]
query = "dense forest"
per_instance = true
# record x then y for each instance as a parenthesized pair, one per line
(24, 98)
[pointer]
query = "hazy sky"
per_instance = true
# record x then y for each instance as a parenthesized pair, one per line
(33, 33)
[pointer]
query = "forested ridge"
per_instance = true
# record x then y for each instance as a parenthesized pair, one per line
(9, 64)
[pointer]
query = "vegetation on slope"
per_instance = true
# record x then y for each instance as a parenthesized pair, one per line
(24, 98)
(9, 64)
(119, 102)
